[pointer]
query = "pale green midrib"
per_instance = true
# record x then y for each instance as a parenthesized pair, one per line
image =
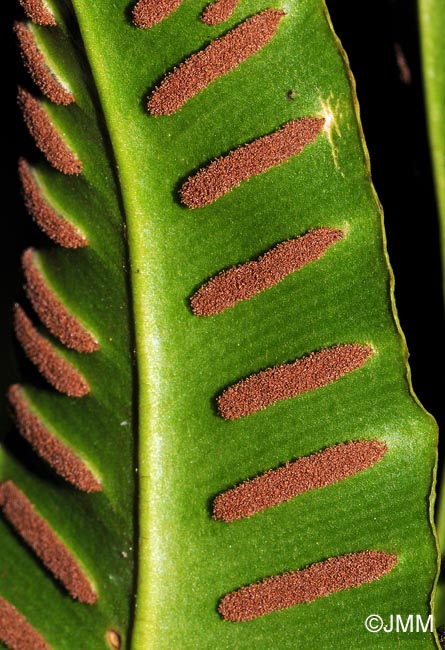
(140, 639)
(432, 40)
(145, 346)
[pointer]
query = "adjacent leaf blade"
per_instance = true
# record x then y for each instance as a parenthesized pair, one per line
(98, 531)
(432, 27)
(187, 453)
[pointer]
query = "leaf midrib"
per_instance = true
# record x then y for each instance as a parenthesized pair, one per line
(145, 347)
(144, 282)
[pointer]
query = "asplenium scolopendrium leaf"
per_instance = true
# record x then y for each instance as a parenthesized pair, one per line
(225, 307)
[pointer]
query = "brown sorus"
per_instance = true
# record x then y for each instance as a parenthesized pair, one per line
(229, 171)
(219, 11)
(47, 446)
(147, 13)
(114, 639)
(38, 12)
(247, 280)
(218, 58)
(16, 632)
(52, 312)
(309, 473)
(291, 379)
(56, 227)
(46, 136)
(296, 587)
(37, 533)
(37, 68)
(56, 370)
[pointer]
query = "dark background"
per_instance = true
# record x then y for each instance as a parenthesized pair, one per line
(376, 36)
(392, 109)
(390, 94)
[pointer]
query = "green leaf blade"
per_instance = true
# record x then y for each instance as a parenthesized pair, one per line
(187, 453)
